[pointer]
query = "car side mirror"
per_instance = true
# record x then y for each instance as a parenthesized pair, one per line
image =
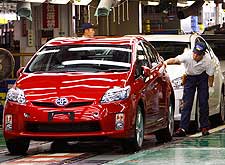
(146, 71)
(19, 71)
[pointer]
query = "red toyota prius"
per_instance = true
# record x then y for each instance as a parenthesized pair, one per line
(76, 88)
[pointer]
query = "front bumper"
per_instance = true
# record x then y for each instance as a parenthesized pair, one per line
(37, 122)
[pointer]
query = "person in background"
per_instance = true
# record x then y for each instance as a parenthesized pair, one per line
(199, 75)
(88, 30)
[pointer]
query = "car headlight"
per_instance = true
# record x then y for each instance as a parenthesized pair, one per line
(116, 94)
(177, 83)
(16, 95)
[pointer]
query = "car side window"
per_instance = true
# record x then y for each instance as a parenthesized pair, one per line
(142, 60)
(153, 55)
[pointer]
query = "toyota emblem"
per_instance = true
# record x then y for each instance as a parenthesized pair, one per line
(61, 101)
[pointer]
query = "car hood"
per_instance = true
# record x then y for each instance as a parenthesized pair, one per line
(175, 71)
(47, 87)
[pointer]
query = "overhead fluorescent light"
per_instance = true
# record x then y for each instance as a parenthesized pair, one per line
(8, 15)
(82, 2)
(58, 1)
(185, 4)
(35, 1)
(152, 3)
(182, 4)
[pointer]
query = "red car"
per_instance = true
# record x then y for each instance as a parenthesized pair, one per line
(76, 88)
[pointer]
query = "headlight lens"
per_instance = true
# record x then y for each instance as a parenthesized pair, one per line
(116, 94)
(16, 95)
(177, 83)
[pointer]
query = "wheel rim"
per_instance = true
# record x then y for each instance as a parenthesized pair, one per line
(222, 106)
(139, 129)
(171, 120)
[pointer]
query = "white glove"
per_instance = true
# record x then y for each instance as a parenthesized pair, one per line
(211, 91)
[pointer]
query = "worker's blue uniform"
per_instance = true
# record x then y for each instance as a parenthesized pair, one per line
(197, 78)
(193, 82)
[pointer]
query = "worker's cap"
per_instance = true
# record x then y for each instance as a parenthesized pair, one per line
(87, 26)
(200, 48)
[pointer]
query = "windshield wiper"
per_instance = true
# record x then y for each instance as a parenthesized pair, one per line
(38, 72)
(56, 71)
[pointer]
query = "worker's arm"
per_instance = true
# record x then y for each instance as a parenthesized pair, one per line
(211, 80)
(172, 61)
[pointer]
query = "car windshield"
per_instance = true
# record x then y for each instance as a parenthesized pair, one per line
(218, 47)
(81, 58)
(170, 49)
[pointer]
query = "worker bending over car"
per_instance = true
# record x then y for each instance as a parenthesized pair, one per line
(199, 75)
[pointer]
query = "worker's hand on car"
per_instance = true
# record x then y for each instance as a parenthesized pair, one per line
(211, 91)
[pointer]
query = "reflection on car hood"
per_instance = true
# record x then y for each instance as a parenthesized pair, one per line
(175, 71)
(46, 86)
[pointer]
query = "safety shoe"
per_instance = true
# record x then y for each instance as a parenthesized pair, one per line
(180, 133)
(205, 131)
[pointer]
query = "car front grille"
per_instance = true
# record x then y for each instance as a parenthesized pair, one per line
(53, 105)
(63, 127)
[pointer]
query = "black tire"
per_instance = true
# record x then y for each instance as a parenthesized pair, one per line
(166, 134)
(221, 115)
(222, 108)
(17, 146)
(218, 119)
(59, 145)
(135, 144)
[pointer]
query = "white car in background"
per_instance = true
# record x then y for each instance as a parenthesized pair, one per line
(172, 45)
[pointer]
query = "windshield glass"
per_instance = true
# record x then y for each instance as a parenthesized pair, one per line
(170, 49)
(82, 58)
(218, 47)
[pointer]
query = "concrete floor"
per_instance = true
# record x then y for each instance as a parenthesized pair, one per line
(193, 150)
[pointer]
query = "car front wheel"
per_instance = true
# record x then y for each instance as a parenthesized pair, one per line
(218, 119)
(220, 116)
(222, 108)
(135, 144)
(165, 135)
(17, 146)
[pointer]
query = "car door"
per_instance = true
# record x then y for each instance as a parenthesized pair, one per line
(149, 92)
(214, 99)
(159, 69)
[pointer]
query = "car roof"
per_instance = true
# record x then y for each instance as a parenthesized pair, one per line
(170, 37)
(125, 40)
(187, 38)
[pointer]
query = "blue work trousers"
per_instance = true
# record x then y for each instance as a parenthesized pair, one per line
(199, 82)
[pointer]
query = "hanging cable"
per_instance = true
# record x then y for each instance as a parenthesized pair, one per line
(114, 14)
(79, 12)
(123, 11)
(118, 14)
(89, 14)
(127, 11)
